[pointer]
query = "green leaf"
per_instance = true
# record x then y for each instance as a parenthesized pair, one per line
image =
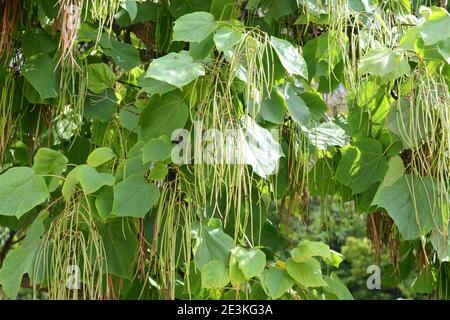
(215, 275)
(131, 166)
(273, 109)
(100, 77)
(101, 106)
(134, 197)
(158, 149)
(212, 244)
(315, 103)
(307, 249)
(104, 202)
(124, 55)
(426, 281)
(361, 165)
(91, 180)
(162, 116)
(308, 273)
(20, 260)
(337, 288)
(225, 9)
(39, 70)
(276, 282)
(179, 8)
(177, 69)
(298, 109)
(20, 191)
(412, 202)
(235, 273)
(158, 172)
(70, 183)
(335, 259)
(49, 162)
(194, 27)
(146, 11)
(226, 38)
(129, 118)
(289, 56)
(251, 262)
(260, 149)
(153, 86)
(100, 156)
(384, 62)
(121, 244)
(395, 171)
(36, 41)
(327, 135)
(131, 7)
(436, 28)
(444, 49)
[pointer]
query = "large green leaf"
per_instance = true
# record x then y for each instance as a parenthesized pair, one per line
(308, 273)
(384, 62)
(100, 156)
(177, 69)
(212, 244)
(298, 109)
(362, 165)
(337, 288)
(260, 150)
(307, 249)
(273, 109)
(436, 28)
(200, 51)
(289, 56)
(194, 27)
(124, 55)
(91, 180)
(162, 116)
(100, 77)
(120, 243)
(179, 8)
(20, 191)
(104, 202)
(327, 135)
(20, 260)
(235, 273)
(39, 70)
(396, 169)
(49, 162)
(215, 275)
(131, 7)
(226, 38)
(134, 197)
(225, 9)
(250, 261)
(36, 41)
(158, 149)
(412, 202)
(276, 282)
(100, 106)
(154, 86)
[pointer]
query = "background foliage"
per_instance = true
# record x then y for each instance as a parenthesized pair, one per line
(344, 104)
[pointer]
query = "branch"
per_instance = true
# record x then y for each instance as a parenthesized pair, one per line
(7, 247)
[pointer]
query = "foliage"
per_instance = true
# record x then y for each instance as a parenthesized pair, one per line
(116, 168)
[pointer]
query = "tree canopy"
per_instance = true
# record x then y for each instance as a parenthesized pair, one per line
(213, 149)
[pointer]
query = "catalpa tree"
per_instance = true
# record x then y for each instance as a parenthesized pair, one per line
(176, 149)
